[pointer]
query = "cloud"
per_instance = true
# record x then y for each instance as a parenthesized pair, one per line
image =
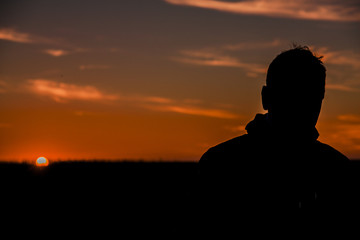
(186, 106)
(94, 66)
(300, 9)
(3, 85)
(353, 118)
(62, 52)
(346, 135)
(341, 87)
(219, 56)
(74, 50)
(192, 110)
(212, 58)
(254, 45)
(56, 52)
(345, 57)
(61, 92)
(14, 36)
(157, 100)
(342, 58)
(240, 129)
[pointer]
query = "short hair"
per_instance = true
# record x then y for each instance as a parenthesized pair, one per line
(298, 67)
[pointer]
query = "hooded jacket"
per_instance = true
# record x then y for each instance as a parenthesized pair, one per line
(271, 170)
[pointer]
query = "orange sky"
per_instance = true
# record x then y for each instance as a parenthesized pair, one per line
(163, 79)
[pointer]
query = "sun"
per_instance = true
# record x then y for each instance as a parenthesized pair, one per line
(42, 162)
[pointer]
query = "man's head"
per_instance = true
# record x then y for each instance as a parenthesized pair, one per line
(295, 88)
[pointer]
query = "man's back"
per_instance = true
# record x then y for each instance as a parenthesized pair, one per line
(263, 175)
(279, 168)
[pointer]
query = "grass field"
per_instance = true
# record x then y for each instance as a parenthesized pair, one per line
(103, 197)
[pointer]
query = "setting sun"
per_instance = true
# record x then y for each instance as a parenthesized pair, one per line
(42, 162)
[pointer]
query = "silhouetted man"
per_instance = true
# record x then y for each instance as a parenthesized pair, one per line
(279, 167)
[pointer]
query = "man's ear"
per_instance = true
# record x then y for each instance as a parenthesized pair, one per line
(265, 96)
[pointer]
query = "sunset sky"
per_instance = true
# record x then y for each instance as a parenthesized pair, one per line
(162, 79)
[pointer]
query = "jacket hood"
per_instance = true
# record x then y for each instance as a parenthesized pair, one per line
(261, 127)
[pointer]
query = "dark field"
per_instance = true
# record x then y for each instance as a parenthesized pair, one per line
(100, 197)
(108, 197)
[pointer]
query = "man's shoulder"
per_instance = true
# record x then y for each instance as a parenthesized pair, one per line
(329, 153)
(241, 145)
(226, 149)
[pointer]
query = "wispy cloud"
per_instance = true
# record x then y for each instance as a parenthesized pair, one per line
(193, 110)
(62, 52)
(346, 135)
(14, 36)
(344, 57)
(81, 113)
(223, 56)
(212, 58)
(93, 66)
(61, 92)
(353, 118)
(340, 79)
(56, 52)
(301, 9)
(240, 129)
(341, 87)
(186, 106)
(3, 85)
(157, 100)
(254, 45)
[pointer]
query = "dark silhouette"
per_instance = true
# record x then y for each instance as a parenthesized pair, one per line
(278, 172)
(275, 178)
(99, 198)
